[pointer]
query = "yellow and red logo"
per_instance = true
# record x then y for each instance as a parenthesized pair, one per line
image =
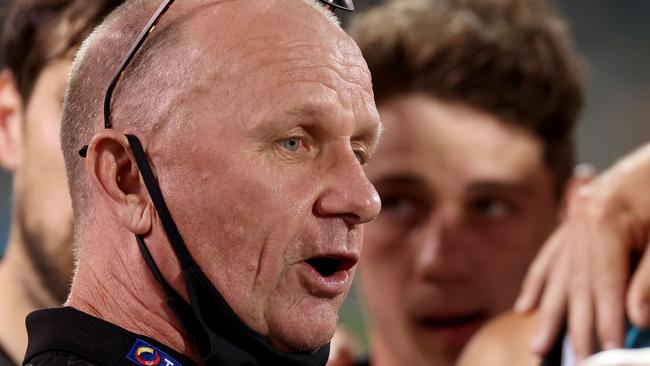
(147, 356)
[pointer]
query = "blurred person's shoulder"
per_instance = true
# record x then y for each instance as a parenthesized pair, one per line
(504, 340)
(59, 358)
(5, 360)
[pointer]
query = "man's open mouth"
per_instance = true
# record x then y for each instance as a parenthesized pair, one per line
(327, 266)
(328, 275)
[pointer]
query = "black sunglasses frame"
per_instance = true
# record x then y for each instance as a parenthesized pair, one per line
(151, 25)
(346, 5)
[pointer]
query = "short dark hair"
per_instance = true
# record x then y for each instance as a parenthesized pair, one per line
(37, 32)
(510, 58)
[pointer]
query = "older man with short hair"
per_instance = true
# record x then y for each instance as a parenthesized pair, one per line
(232, 147)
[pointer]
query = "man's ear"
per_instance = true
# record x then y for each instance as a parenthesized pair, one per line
(113, 170)
(11, 119)
(583, 174)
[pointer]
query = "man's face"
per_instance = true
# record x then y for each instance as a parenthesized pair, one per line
(43, 210)
(266, 181)
(467, 202)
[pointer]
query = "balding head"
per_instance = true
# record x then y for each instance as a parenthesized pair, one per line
(170, 68)
(257, 117)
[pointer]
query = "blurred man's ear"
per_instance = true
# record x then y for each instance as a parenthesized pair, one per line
(583, 174)
(113, 170)
(11, 116)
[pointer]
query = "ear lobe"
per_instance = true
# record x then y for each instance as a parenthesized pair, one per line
(11, 116)
(140, 214)
(114, 173)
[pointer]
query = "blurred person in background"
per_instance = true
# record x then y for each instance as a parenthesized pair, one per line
(38, 43)
(479, 100)
(597, 265)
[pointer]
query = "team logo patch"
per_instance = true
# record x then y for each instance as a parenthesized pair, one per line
(144, 354)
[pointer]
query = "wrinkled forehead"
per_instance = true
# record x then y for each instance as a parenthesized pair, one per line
(278, 61)
(274, 55)
(248, 34)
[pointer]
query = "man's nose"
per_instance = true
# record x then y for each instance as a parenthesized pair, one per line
(348, 194)
(439, 252)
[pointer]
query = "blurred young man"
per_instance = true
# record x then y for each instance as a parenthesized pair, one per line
(605, 229)
(39, 40)
(479, 100)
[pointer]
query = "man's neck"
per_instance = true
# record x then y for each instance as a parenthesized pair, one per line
(123, 291)
(23, 293)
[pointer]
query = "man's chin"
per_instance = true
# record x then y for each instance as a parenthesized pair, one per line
(440, 346)
(306, 329)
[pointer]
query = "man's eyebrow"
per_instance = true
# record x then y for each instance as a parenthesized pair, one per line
(304, 114)
(370, 131)
(313, 112)
(307, 111)
(400, 179)
(500, 186)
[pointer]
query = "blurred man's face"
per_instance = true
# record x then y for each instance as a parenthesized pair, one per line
(43, 208)
(266, 177)
(467, 201)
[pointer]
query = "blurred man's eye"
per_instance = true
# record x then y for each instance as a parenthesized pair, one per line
(395, 204)
(400, 207)
(362, 156)
(491, 208)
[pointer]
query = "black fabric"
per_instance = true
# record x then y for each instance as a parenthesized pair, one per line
(5, 360)
(220, 337)
(67, 336)
(364, 361)
(59, 358)
(554, 357)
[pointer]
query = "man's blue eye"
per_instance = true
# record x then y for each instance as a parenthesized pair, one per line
(292, 144)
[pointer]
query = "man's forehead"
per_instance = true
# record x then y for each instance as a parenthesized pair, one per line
(268, 31)
(270, 61)
(257, 17)
(297, 56)
(258, 60)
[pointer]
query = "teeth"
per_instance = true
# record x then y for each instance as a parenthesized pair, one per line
(326, 266)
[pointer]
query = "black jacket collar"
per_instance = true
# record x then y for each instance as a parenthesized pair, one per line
(72, 331)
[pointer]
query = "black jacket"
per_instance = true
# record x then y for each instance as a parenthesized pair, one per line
(69, 337)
